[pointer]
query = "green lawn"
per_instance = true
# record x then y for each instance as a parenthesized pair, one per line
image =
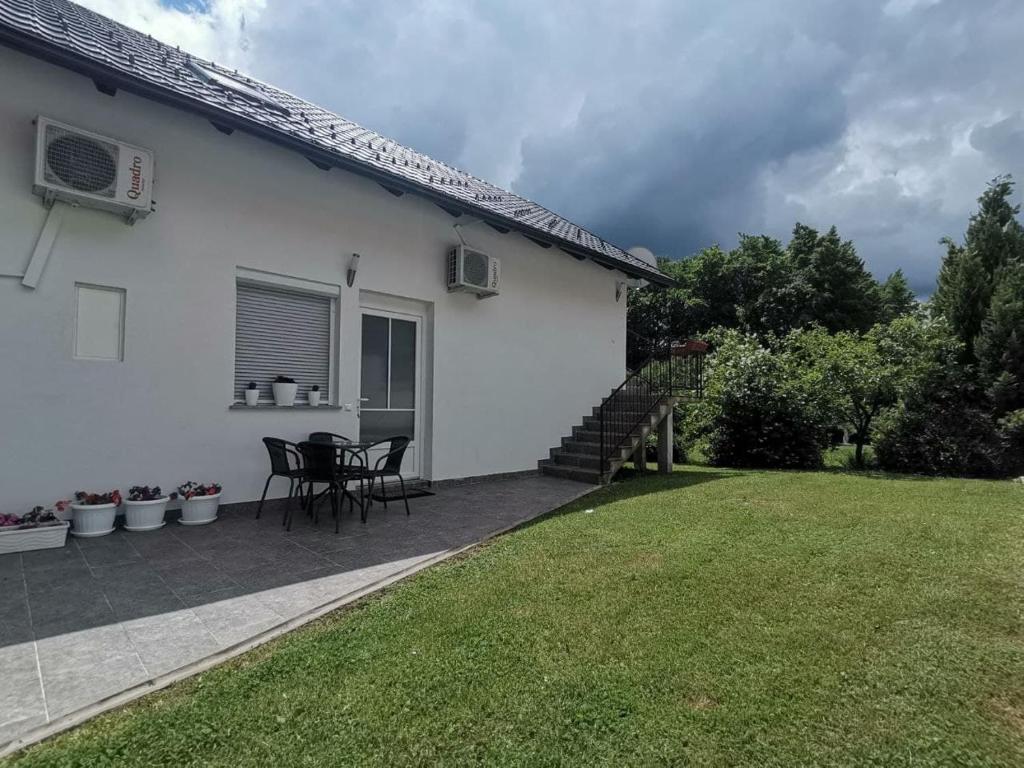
(707, 618)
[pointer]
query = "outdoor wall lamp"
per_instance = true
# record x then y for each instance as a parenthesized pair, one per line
(353, 267)
(622, 285)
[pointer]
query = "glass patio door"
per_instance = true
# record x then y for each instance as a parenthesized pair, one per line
(390, 383)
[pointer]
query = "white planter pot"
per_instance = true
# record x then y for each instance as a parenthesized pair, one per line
(252, 397)
(199, 510)
(145, 515)
(92, 519)
(284, 394)
(26, 539)
(314, 398)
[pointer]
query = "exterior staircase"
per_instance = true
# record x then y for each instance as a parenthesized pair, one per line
(643, 404)
(579, 456)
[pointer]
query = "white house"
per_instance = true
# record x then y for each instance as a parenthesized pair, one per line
(128, 334)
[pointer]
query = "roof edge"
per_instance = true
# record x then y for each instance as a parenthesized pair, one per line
(112, 77)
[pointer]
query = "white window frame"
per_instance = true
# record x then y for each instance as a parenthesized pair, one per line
(332, 291)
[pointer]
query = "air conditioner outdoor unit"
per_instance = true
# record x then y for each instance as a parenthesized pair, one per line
(83, 168)
(473, 272)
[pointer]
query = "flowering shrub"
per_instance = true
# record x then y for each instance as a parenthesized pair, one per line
(192, 489)
(37, 518)
(92, 499)
(763, 407)
(145, 493)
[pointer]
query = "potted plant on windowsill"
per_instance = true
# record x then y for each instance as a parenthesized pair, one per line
(93, 513)
(314, 395)
(145, 507)
(199, 502)
(252, 394)
(38, 529)
(284, 390)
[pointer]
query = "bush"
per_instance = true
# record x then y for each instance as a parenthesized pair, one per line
(945, 426)
(932, 440)
(761, 408)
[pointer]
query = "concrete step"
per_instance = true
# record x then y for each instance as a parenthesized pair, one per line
(632, 411)
(566, 459)
(572, 445)
(579, 474)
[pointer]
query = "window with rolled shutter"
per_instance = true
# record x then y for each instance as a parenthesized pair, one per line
(282, 332)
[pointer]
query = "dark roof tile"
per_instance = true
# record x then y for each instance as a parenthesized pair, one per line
(61, 27)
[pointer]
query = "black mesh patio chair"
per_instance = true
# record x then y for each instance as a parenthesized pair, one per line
(388, 465)
(320, 465)
(327, 437)
(286, 462)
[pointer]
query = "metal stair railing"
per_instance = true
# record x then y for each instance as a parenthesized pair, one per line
(664, 369)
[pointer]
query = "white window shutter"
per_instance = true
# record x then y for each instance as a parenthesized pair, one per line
(282, 332)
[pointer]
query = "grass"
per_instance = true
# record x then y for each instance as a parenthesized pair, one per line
(706, 618)
(843, 457)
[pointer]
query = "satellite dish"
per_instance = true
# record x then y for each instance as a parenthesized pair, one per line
(647, 257)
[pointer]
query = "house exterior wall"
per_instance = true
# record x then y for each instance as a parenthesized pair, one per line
(504, 378)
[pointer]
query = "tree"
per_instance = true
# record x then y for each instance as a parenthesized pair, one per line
(843, 294)
(896, 297)
(764, 288)
(971, 272)
(940, 426)
(866, 372)
(1000, 345)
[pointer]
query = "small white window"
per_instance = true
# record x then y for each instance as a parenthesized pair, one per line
(99, 322)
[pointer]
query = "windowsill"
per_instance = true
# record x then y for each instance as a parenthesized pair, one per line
(272, 407)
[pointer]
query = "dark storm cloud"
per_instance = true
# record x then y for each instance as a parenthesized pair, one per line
(678, 124)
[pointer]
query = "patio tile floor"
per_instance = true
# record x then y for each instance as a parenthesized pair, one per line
(102, 616)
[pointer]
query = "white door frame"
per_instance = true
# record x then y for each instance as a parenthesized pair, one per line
(380, 309)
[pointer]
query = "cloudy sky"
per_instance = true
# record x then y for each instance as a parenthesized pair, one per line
(672, 124)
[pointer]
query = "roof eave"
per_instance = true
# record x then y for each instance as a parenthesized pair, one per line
(111, 76)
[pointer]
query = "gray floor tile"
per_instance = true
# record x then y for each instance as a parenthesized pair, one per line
(76, 607)
(15, 729)
(237, 618)
(21, 695)
(160, 546)
(15, 622)
(66, 653)
(142, 599)
(108, 550)
(196, 578)
(169, 641)
(10, 566)
(49, 559)
(109, 613)
(191, 601)
(70, 690)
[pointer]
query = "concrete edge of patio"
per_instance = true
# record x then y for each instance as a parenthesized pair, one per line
(159, 682)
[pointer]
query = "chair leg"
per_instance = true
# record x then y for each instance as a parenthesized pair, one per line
(405, 498)
(266, 487)
(364, 508)
(335, 509)
(367, 500)
(289, 511)
(288, 505)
